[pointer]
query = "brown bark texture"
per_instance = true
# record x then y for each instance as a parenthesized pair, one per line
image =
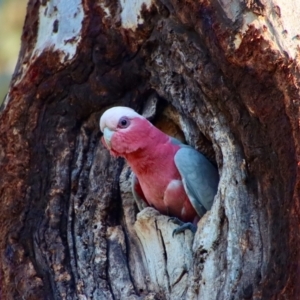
(221, 75)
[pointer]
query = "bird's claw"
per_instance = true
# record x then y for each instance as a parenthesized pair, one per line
(176, 221)
(182, 226)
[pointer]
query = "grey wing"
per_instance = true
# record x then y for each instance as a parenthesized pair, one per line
(199, 176)
(138, 194)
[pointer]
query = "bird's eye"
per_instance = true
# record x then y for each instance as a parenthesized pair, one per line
(124, 122)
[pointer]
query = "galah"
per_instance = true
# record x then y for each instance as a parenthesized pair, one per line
(172, 177)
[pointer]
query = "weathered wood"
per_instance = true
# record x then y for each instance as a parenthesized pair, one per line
(221, 75)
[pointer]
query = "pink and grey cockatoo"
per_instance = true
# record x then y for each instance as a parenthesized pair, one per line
(172, 177)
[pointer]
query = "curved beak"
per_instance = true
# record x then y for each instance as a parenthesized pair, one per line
(107, 135)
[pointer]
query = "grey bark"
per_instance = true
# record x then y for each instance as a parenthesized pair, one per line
(202, 72)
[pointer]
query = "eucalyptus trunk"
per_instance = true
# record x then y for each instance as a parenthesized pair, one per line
(223, 76)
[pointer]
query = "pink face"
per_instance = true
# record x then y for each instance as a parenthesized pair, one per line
(124, 130)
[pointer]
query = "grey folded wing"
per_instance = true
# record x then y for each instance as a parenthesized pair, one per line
(199, 176)
(138, 194)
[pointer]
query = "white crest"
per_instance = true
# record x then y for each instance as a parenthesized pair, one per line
(111, 117)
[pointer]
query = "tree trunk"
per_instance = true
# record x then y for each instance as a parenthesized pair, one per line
(221, 75)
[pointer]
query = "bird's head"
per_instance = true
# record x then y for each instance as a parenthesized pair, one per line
(124, 130)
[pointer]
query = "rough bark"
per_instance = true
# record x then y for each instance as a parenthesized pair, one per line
(222, 75)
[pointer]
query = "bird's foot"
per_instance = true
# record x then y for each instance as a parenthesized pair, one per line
(182, 226)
